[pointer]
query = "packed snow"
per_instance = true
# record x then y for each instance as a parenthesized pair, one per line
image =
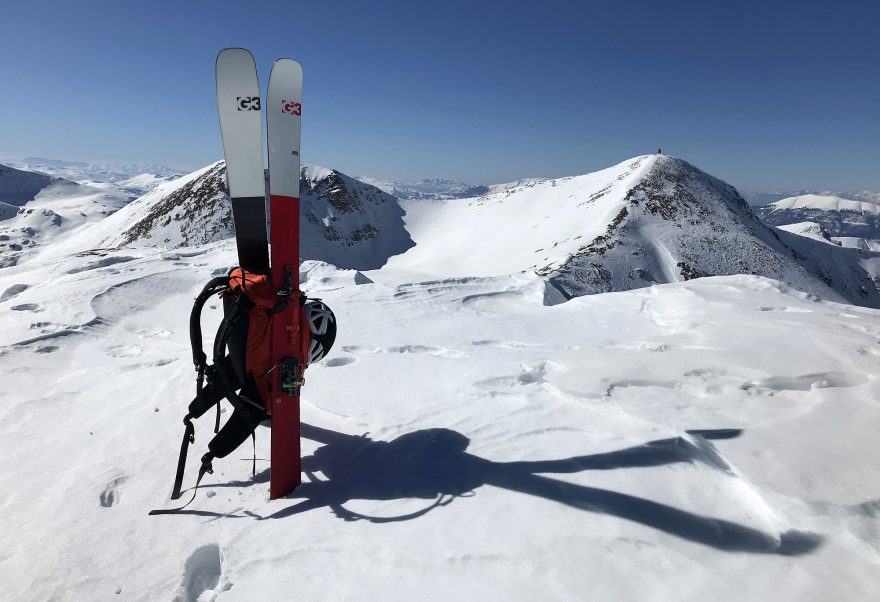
(472, 434)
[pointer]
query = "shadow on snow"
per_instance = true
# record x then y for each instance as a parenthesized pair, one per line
(432, 464)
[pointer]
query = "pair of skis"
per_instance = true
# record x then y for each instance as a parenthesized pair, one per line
(241, 109)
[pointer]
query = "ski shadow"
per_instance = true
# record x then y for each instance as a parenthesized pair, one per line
(433, 464)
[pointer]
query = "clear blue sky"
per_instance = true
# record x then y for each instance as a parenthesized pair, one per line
(760, 93)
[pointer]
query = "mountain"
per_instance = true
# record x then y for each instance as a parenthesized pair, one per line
(136, 179)
(36, 209)
(473, 434)
(344, 221)
(841, 217)
(650, 220)
(436, 188)
(760, 198)
(810, 230)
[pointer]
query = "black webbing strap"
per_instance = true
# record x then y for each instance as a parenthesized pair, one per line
(214, 286)
(205, 469)
(189, 436)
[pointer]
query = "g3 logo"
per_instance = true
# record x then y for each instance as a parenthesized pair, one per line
(248, 103)
(294, 108)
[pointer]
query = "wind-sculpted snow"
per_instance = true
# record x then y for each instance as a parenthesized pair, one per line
(463, 439)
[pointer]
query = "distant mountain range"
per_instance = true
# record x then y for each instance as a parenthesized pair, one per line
(850, 222)
(436, 188)
(136, 179)
(759, 198)
(650, 220)
(36, 208)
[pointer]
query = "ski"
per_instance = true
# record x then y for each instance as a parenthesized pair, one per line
(241, 127)
(289, 340)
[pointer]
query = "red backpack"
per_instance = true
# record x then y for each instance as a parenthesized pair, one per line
(242, 361)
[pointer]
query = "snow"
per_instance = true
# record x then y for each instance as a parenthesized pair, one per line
(464, 439)
(471, 434)
(519, 226)
(825, 202)
(810, 230)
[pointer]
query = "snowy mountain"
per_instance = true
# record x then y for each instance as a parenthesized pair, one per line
(810, 230)
(474, 433)
(345, 222)
(136, 179)
(37, 209)
(842, 217)
(760, 198)
(650, 220)
(435, 188)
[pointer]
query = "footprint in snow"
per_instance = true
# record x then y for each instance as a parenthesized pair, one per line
(201, 575)
(338, 361)
(110, 495)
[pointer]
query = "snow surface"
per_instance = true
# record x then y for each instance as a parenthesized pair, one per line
(518, 226)
(825, 202)
(463, 440)
(36, 209)
(810, 230)
(472, 434)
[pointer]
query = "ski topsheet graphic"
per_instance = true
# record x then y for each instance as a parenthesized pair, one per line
(289, 331)
(241, 126)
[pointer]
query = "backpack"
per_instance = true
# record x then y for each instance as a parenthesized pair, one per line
(242, 368)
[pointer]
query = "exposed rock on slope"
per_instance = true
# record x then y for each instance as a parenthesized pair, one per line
(680, 223)
(344, 222)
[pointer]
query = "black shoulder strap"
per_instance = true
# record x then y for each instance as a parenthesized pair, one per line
(214, 286)
(240, 307)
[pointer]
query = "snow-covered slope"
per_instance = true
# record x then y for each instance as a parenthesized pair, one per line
(345, 222)
(842, 217)
(37, 209)
(810, 230)
(17, 186)
(136, 179)
(652, 219)
(704, 440)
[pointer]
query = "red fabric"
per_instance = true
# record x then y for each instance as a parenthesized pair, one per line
(258, 360)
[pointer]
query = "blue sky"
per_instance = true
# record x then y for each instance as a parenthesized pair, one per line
(762, 94)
